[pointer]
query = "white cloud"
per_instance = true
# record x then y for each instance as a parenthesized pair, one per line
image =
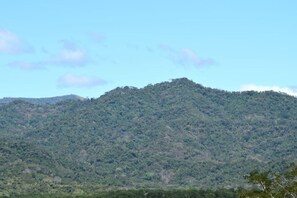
(260, 88)
(70, 58)
(25, 65)
(70, 55)
(185, 57)
(11, 44)
(70, 80)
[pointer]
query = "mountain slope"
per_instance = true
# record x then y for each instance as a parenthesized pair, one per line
(170, 134)
(42, 101)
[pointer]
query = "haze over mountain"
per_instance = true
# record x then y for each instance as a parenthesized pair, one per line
(171, 134)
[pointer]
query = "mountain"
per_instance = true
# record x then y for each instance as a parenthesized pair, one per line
(42, 101)
(168, 135)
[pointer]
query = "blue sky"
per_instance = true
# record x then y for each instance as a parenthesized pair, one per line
(59, 47)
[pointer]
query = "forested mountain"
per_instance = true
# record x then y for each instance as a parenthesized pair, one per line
(40, 101)
(169, 135)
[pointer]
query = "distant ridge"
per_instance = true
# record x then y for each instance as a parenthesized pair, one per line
(42, 101)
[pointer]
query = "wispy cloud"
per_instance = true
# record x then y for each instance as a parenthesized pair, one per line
(96, 36)
(70, 55)
(71, 58)
(26, 65)
(12, 44)
(70, 80)
(261, 88)
(185, 57)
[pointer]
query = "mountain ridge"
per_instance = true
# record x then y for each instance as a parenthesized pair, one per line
(183, 80)
(171, 134)
(43, 100)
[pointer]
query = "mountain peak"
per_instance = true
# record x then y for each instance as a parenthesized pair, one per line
(182, 80)
(185, 82)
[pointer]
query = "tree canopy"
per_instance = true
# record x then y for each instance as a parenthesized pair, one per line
(168, 135)
(272, 184)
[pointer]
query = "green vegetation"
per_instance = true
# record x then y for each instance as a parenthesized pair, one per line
(170, 135)
(147, 194)
(42, 101)
(272, 184)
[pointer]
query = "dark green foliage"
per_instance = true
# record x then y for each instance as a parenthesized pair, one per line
(146, 194)
(168, 135)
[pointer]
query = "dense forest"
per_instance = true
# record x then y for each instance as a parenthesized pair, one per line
(170, 135)
(190, 193)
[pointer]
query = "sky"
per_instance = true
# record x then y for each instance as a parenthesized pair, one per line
(59, 47)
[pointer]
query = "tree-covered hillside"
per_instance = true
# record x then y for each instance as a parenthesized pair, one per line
(169, 135)
(40, 101)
